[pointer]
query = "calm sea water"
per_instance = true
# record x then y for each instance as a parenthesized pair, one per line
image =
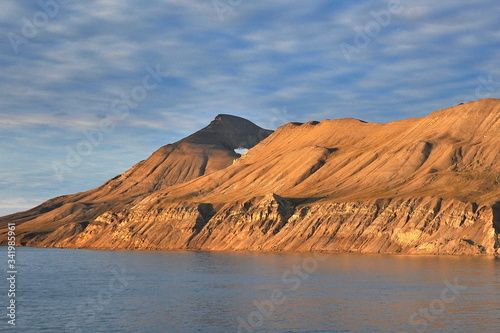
(63, 290)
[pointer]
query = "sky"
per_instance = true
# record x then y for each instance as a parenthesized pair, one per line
(89, 88)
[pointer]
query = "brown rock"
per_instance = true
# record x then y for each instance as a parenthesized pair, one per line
(422, 186)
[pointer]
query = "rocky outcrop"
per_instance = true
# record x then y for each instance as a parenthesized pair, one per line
(170, 228)
(419, 186)
(414, 226)
(244, 225)
(272, 223)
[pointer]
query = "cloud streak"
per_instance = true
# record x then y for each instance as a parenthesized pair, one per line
(262, 56)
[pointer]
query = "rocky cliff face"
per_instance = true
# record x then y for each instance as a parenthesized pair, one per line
(271, 223)
(419, 186)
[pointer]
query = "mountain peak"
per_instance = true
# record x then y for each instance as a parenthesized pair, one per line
(228, 117)
(230, 121)
(230, 132)
(294, 191)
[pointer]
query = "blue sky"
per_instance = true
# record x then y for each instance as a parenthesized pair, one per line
(66, 69)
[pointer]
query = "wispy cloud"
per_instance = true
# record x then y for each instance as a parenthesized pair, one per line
(263, 56)
(9, 205)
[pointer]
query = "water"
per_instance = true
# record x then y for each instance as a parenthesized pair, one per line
(64, 290)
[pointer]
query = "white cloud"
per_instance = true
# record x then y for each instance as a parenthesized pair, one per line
(10, 205)
(267, 55)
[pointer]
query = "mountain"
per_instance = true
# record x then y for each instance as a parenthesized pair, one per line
(426, 185)
(206, 151)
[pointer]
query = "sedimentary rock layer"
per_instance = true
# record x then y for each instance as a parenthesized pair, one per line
(419, 186)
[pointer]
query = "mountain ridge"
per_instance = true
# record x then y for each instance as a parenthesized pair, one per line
(168, 165)
(428, 185)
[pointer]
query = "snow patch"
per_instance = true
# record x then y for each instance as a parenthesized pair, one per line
(241, 150)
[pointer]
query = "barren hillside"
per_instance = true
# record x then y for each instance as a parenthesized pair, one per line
(426, 185)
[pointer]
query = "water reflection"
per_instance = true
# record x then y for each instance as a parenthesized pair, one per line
(217, 292)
